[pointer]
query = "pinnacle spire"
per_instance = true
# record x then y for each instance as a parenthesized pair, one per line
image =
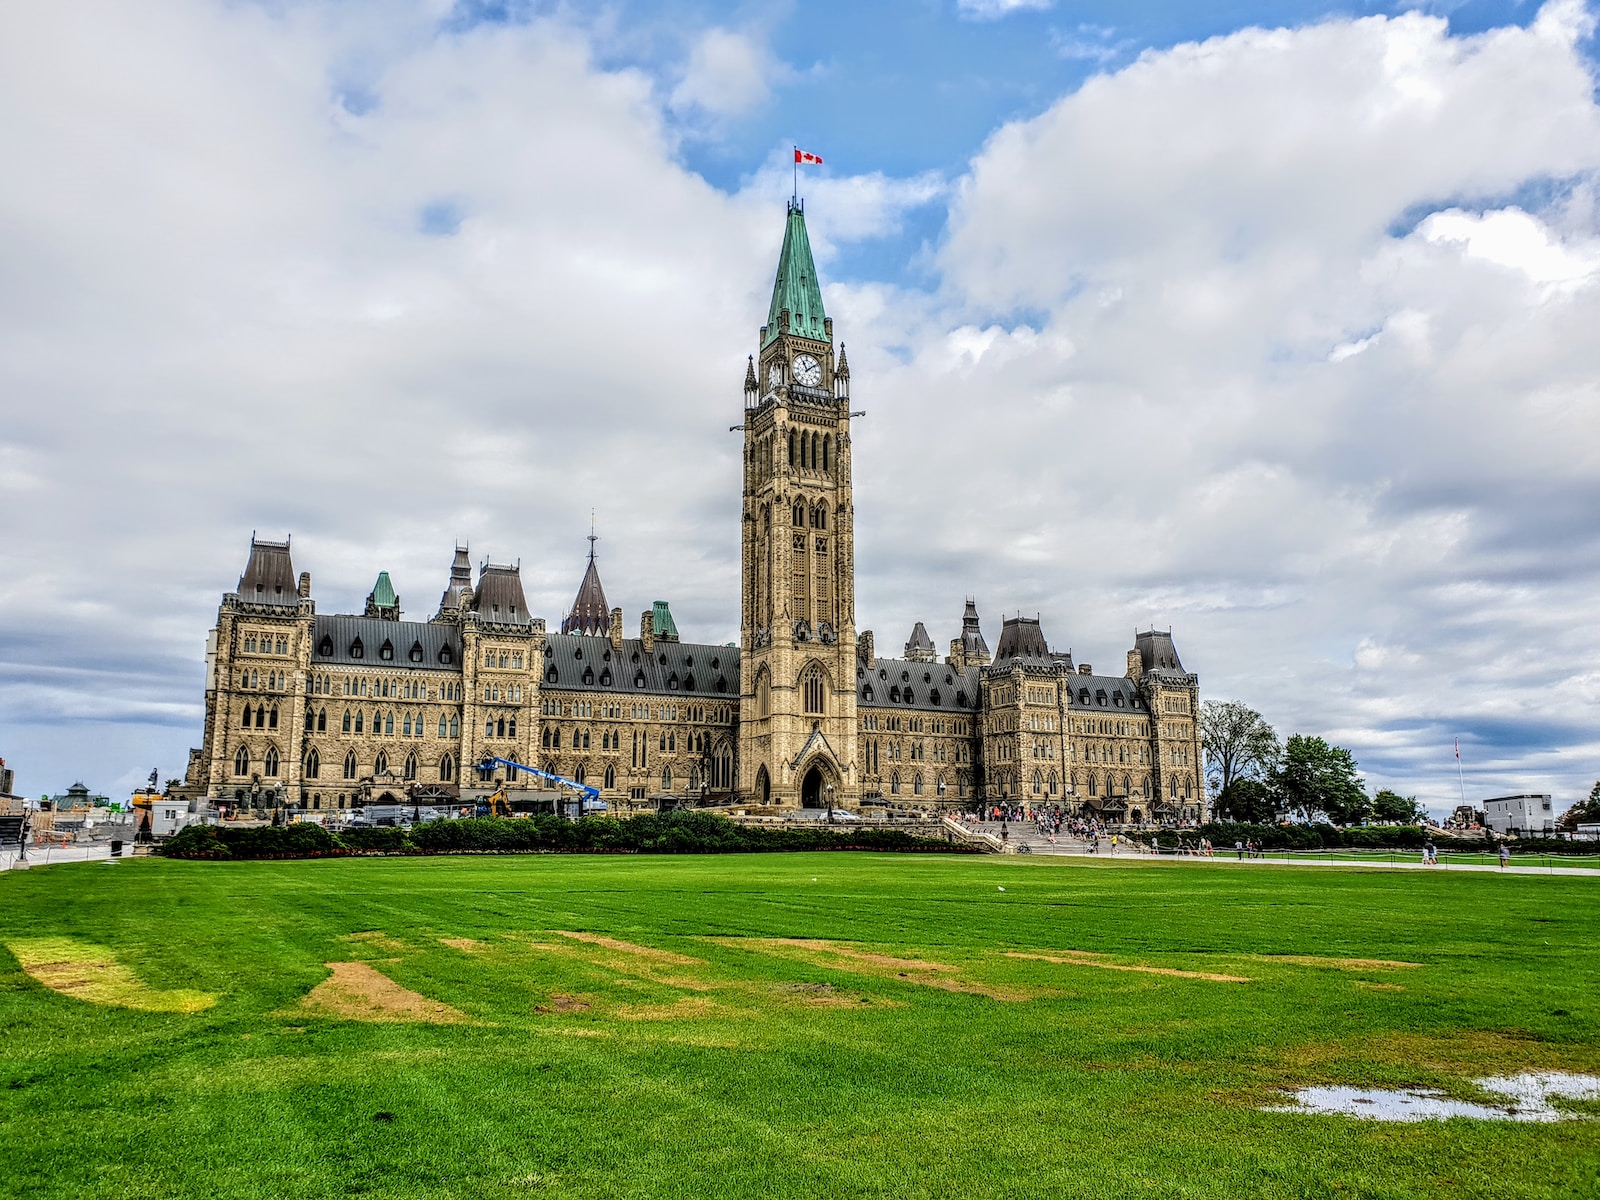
(590, 614)
(796, 290)
(842, 371)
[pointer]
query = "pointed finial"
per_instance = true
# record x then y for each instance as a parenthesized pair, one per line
(842, 371)
(750, 373)
(593, 536)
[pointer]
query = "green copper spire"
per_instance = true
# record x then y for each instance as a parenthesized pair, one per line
(796, 287)
(383, 592)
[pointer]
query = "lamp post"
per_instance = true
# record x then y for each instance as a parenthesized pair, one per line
(828, 789)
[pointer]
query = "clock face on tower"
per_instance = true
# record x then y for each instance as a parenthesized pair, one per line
(807, 371)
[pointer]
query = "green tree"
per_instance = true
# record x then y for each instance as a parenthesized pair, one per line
(1392, 806)
(1238, 743)
(1315, 779)
(1248, 800)
(1585, 812)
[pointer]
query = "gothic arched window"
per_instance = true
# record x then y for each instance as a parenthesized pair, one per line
(411, 766)
(241, 762)
(271, 767)
(611, 776)
(381, 766)
(350, 765)
(313, 764)
(811, 686)
(447, 769)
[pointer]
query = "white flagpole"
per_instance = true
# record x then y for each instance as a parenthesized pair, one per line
(1462, 779)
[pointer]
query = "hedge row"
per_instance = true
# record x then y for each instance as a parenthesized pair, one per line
(666, 833)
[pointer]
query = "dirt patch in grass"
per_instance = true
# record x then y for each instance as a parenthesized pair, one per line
(646, 952)
(92, 973)
(563, 1003)
(688, 1008)
(1084, 958)
(1338, 964)
(1372, 986)
(465, 945)
(356, 991)
(825, 995)
(865, 962)
(375, 938)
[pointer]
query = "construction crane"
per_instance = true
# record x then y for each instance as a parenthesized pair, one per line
(590, 794)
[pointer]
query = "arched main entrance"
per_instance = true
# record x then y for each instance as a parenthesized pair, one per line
(763, 786)
(811, 789)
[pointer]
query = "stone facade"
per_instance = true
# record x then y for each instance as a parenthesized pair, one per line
(333, 711)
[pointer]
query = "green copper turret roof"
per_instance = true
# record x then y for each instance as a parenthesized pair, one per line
(662, 624)
(383, 592)
(796, 287)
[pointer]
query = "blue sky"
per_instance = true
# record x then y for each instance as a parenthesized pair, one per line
(1283, 339)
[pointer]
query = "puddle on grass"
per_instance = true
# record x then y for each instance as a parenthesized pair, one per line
(1527, 1096)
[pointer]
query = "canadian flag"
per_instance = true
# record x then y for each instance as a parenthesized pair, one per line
(805, 156)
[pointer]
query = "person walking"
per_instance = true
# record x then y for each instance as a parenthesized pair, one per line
(1238, 848)
(1505, 856)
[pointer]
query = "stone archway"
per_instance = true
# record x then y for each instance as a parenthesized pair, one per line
(763, 786)
(811, 793)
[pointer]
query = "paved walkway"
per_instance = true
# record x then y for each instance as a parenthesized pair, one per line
(1019, 834)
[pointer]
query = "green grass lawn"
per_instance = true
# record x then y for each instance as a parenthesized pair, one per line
(821, 1025)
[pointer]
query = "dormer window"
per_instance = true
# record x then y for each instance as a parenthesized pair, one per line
(416, 651)
(386, 651)
(357, 650)
(325, 647)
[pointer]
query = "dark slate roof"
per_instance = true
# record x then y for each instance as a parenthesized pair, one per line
(338, 635)
(919, 640)
(460, 586)
(1021, 637)
(499, 596)
(971, 636)
(1156, 650)
(590, 612)
(1104, 693)
(269, 575)
(573, 661)
(932, 687)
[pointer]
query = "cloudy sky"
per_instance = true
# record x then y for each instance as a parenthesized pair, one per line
(1273, 322)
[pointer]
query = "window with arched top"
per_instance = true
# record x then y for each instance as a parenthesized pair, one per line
(763, 693)
(894, 783)
(791, 447)
(812, 688)
(270, 766)
(826, 448)
(381, 766)
(241, 762)
(611, 776)
(411, 766)
(350, 765)
(313, 764)
(447, 769)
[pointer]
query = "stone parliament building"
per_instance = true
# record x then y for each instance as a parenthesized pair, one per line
(329, 712)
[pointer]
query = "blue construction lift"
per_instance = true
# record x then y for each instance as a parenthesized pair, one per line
(590, 795)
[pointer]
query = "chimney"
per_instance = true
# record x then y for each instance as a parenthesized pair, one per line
(1135, 665)
(305, 585)
(616, 629)
(864, 648)
(957, 658)
(1085, 669)
(647, 630)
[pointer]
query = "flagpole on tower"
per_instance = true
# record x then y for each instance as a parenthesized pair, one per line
(795, 197)
(1460, 778)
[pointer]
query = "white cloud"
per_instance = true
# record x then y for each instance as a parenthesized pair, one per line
(728, 75)
(993, 10)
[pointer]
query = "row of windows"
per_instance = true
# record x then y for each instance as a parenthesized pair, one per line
(941, 786)
(383, 724)
(265, 643)
(511, 660)
(717, 774)
(380, 689)
(263, 681)
(502, 693)
(386, 652)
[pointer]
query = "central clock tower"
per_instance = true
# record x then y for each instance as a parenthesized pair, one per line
(797, 711)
